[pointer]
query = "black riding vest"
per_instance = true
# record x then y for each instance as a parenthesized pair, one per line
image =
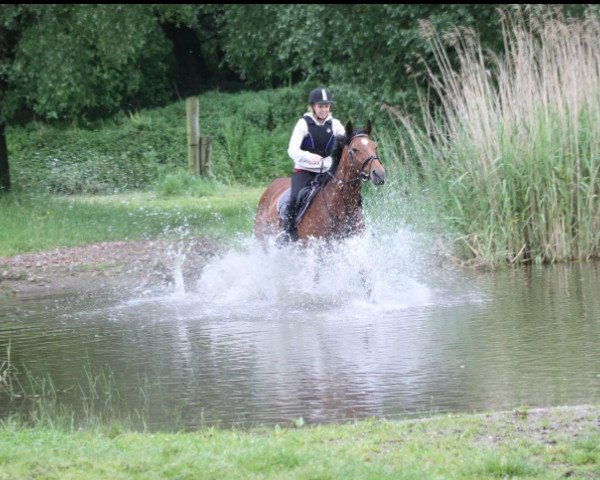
(320, 138)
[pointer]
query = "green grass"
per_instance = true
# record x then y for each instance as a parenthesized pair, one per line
(31, 223)
(503, 446)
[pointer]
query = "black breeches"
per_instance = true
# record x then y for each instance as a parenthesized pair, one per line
(299, 180)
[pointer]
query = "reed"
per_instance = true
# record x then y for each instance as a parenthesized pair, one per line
(8, 374)
(35, 400)
(512, 153)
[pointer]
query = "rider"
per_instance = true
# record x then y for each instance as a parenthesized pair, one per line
(310, 145)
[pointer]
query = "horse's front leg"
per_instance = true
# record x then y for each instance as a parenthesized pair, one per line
(367, 283)
(320, 261)
(357, 228)
(354, 224)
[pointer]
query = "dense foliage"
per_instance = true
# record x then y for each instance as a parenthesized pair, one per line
(134, 151)
(64, 61)
(78, 62)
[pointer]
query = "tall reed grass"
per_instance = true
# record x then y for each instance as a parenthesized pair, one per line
(512, 152)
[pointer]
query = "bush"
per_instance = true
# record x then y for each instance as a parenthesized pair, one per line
(181, 183)
(133, 151)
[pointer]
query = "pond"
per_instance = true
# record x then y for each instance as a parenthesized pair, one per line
(271, 336)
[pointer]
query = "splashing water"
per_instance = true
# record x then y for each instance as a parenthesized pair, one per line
(373, 273)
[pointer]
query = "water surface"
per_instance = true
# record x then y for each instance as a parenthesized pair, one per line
(266, 337)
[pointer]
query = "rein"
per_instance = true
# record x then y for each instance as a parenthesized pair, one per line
(360, 171)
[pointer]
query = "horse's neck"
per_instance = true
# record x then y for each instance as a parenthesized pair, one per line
(347, 174)
(346, 184)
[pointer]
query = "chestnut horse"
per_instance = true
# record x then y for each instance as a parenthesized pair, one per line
(335, 211)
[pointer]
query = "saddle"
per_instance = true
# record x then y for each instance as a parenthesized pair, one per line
(305, 197)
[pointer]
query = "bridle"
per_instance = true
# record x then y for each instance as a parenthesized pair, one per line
(361, 175)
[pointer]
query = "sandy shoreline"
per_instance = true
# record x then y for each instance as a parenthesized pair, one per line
(123, 264)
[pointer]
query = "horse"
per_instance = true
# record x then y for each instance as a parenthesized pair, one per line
(335, 212)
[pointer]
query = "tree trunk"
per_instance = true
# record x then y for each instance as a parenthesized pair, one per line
(4, 168)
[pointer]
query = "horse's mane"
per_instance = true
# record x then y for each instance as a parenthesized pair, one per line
(340, 142)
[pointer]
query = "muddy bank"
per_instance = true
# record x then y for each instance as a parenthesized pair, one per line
(120, 265)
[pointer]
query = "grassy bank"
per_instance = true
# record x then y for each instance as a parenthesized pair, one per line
(42, 222)
(536, 444)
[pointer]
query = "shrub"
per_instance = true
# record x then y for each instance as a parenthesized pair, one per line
(250, 131)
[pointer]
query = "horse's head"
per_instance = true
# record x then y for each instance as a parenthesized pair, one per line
(362, 152)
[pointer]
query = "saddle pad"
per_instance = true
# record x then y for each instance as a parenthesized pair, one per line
(304, 198)
(284, 199)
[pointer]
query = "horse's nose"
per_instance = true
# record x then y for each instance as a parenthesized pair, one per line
(378, 177)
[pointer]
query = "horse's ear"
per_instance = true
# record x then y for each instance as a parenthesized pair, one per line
(368, 128)
(349, 129)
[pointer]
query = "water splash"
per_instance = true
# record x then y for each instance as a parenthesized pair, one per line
(268, 280)
(179, 257)
(392, 267)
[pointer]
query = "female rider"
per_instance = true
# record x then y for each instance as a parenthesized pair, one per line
(310, 148)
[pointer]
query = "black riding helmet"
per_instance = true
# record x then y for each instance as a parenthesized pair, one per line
(320, 95)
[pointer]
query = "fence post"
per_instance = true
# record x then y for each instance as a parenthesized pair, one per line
(205, 155)
(193, 134)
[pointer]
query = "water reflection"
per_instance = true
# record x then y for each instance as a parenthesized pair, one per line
(250, 345)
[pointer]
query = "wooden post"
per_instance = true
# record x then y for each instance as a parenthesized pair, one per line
(193, 134)
(4, 168)
(205, 155)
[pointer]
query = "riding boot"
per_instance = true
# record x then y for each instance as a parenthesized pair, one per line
(289, 223)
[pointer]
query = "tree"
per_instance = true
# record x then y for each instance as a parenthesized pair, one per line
(9, 22)
(271, 44)
(368, 54)
(370, 43)
(373, 53)
(68, 61)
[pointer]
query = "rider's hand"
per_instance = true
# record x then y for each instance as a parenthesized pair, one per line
(314, 159)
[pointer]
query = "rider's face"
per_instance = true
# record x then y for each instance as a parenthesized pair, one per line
(321, 110)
